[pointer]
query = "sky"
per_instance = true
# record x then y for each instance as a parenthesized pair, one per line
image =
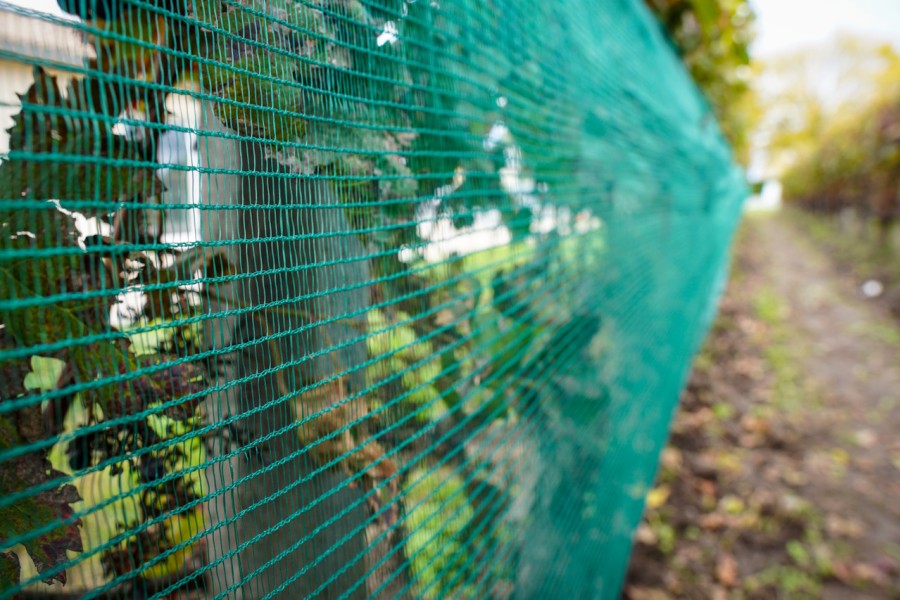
(786, 25)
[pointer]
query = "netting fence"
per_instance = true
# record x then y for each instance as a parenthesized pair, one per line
(344, 298)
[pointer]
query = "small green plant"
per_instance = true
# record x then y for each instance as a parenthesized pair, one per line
(786, 582)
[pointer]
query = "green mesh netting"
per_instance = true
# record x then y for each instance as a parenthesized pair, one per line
(344, 298)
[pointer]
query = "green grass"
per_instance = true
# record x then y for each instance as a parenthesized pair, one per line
(782, 354)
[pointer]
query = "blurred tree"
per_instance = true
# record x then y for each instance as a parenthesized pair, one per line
(713, 38)
(834, 128)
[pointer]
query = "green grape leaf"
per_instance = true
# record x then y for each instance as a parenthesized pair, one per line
(44, 373)
(9, 570)
(36, 511)
(54, 156)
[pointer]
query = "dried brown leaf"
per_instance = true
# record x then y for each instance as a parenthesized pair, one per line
(727, 570)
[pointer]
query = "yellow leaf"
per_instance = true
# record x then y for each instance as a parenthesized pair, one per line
(658, 496)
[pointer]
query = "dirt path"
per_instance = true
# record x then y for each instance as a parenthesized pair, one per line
(782, 479)
(854, 361)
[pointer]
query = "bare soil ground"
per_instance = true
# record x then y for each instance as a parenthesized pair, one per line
(782, 477)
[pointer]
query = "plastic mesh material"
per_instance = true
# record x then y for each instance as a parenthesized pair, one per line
(345, 298)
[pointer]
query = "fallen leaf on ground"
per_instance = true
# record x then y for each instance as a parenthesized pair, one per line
(867, 573)
(706, 487)
(727, 570)
(719, 593)
(838, 526)
(712, 521)
(866, 438)
(645, 535)
(671, 458)
(658, 496)
(634, 592)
